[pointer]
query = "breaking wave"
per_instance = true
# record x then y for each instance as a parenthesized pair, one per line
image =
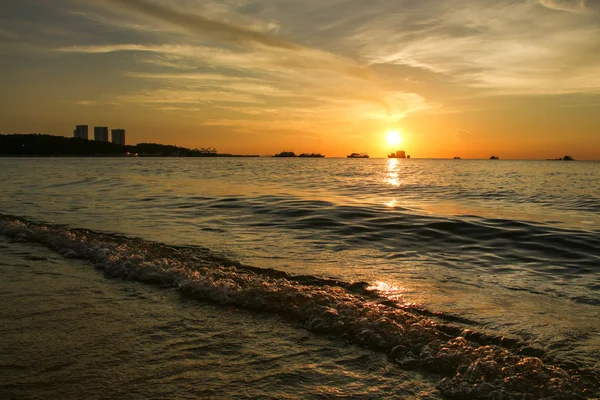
(470, 364)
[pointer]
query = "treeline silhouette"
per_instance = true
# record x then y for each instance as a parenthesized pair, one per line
(50, 145)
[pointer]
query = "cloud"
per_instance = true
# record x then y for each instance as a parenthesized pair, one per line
(576, 6)
(5, 34)
(170, 62)
(112, 24)
(266, 60)
(173, 96)
(222, 55)
(231, 83)
(501, 47)
(334, 98)
(463, 135)
(217, 30)
(116, 47)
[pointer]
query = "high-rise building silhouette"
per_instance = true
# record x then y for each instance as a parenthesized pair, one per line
(101, 133)
(118, 136)
(81, 132)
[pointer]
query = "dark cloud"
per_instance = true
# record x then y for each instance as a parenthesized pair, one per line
(218, 30)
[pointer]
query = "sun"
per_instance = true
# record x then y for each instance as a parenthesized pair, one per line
(393, 138)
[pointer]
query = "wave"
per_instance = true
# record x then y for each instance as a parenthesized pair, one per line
(550, 252)
(470, 364)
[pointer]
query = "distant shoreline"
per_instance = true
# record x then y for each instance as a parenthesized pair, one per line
(122, 156)
(43, 145)
(225, 155)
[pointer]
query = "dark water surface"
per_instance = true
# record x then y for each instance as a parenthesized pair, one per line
(454, 277)
(67, 332)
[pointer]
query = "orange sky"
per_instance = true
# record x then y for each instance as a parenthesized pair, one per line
(519, 79)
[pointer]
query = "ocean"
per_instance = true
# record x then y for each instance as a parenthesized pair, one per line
(299, 278)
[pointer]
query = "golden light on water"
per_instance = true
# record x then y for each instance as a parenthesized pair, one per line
(392, 177)
(394, 138)
(391, 203)
(392, 292)
(393, 180)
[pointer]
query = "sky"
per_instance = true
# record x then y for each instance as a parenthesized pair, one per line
(519, 79)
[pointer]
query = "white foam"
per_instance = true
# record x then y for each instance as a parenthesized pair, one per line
(411, 340)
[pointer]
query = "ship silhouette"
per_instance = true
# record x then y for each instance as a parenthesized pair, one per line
(358, 155)
(285, 154)
(311, 155)
(397, 154)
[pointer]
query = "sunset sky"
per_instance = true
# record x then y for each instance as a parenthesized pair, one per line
(469, 78)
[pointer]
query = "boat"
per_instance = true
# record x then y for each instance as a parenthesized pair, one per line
(494, 158)
(358, 155)
(565, 158)
(311, 155)
(285, 154)
(457, 158)
(397, 154)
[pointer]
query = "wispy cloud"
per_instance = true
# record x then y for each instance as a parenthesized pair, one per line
(6, 34)
(120, 24)
(497, 46)
(217, 30)
(167, 96)
(504, 47)
(577, 6)
(297, 77)
(87, 103)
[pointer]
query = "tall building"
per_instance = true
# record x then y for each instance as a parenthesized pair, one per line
(118, 136)
(81, 132)
(101, 133)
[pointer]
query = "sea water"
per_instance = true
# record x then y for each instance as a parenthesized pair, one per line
(299, 278)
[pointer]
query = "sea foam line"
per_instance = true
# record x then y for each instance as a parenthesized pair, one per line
(469, 370)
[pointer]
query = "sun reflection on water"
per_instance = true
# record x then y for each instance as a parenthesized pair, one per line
(391, 292)
(392, 203)
(392, 177)
(392, 164)
(393, 180)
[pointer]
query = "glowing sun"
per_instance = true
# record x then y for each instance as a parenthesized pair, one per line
(393, 138)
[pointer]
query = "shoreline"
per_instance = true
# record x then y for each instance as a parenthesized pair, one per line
(120, 156)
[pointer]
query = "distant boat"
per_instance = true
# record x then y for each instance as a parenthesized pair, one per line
(457, 158)
(397, 154)
(311, 155)
(565, 158)
(285, 154)
(358, 155)
(494, 158)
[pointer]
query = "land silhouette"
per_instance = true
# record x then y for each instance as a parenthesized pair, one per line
(30, 145)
